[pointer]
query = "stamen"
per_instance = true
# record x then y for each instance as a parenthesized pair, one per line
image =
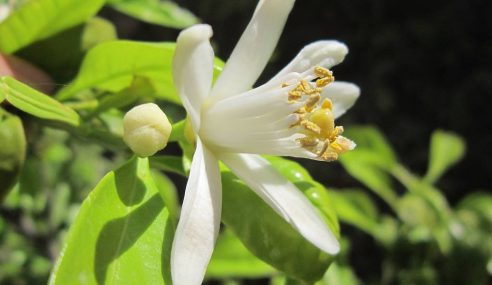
(310, 126)
(321, 136)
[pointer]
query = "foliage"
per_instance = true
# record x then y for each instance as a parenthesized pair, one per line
(56, 147)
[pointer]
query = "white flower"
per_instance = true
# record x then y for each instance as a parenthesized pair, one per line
(292, 114)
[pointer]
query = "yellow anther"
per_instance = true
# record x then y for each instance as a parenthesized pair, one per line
(285, 84)
(301, 110)
(336, 147)
(322, 137)
(327, 104)
(335, 133)
(322, 72)
(294, 95)
(322, 82)
(308, 141)
(304, 85)
(313, 91)
(312, 101)
(310, 126)
(329, 155)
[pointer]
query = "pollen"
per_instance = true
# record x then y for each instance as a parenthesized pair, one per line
(316, 119)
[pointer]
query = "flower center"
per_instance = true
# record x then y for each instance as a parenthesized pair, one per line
(321, 136)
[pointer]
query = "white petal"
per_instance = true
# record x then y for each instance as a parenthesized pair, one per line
(284, 198)
(199, 223)
(193, 69)
(343, 96)
(321, 53)
(254, 48)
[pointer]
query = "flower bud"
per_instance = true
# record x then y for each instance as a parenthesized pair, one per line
(146, 129)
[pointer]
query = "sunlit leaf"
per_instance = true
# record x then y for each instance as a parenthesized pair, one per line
(168, 163)
(314, 191)
(36, 20)
(373, 141)
(339, 274)
(168, 193)
(112, 66)
(232, 259)
(355, 207)
(122, 234)
(371, 161)
(69, 46)
(446, 149)
(358, 164)
(267, 235)
(36, 103)
(292, 170)
(164, 13)
(12, 151)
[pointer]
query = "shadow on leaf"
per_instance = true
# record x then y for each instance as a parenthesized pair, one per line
(117, 236)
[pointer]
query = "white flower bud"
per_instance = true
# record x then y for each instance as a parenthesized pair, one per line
(146, 129)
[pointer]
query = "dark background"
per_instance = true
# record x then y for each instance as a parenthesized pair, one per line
(421, 66)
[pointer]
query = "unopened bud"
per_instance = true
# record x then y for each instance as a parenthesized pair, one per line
(146, 129)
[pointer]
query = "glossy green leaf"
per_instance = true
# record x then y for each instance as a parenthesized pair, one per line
(122, 234)
(164, 13)
(355, 207)
(290, 169)
(139, 88)
(36, 103)
(168, 163)
(112, 66)
(339, 274)
(267, 235)
(446, 149)
(12, 151)
(373, 141)
(314, 191)
(358, 163)
(69, 47)
(232, 259)
(168, 193)
(36, 20)
(480, 202)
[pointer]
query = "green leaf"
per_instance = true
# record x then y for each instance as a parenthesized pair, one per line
(267, 235)
(164, 13)
(36, 103)
(112, 66)
(168, 163)
(12, 151)
(373, 141)
(479, 203)
(232, 259)
(359, 164)
(168, 193)
(69, 47)
(36, 20)
(314, 191)
(139, 88)
(371, 161)
(355, 207)
(291, 170)
(122, 234)
(446, 149)
(339, 274)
